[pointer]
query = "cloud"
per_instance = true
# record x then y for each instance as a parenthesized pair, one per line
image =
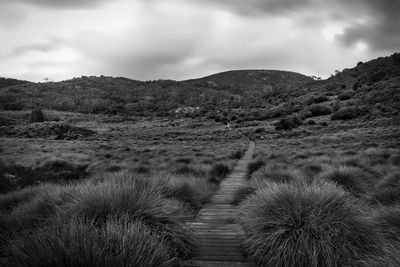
(58, 3)
(179, 39)
(380, 29)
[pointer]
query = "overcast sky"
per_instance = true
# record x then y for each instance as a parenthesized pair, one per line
(180, 39)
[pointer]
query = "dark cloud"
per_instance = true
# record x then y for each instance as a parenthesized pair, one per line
(381, 30)
(22, 50)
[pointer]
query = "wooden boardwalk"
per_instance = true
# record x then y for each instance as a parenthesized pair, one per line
(218, 235)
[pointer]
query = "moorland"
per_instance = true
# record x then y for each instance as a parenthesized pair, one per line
(100, 171)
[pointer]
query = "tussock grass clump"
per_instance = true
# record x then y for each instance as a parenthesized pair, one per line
(312, 168)
(186, 194)
(184, 160)
(385, 196)
(141, 169)
(388, 221)
(390, 181)
(81, 243)
(137, 199)
(241, 194)
(12, 199)
(218, 172)
(353, 180)
(254, 166)
(278, 172)
(185, 169)
(306, 225)
(117, 196)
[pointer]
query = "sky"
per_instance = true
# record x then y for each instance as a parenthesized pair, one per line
(182, 39)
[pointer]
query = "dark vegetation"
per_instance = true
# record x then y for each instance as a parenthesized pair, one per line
(13, 177)
(315, 210)
(234, 95)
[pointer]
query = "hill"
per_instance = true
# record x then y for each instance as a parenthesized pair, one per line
(372, 83)
(255, 78)
(5, 82)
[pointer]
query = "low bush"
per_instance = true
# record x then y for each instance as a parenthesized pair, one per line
(306, 225)
(218, 172)
(320, 99)
(319, 110)
(348, 113)
(288, 123)
(346, 95)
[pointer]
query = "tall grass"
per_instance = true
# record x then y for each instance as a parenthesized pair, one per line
(352, 179)
(306, 225)
(106, 213)
(80, 243)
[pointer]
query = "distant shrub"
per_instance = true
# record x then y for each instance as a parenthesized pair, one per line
(236, 154)
(241, 194)
(349, 113)
(319, 110)
(254, 166)
(184, 160)
(306, 225)
(260, 130)
(377, 76)
(288, 123)
(37, 115)
(320, 99)
(345, 95)
(218, 172)
(311, 122)
(80, 243)
(309, 100)
(15, 106)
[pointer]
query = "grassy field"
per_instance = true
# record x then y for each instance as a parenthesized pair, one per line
(118, 196)
(99, 190)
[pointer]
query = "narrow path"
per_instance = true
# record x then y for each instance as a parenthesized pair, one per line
(218, 235)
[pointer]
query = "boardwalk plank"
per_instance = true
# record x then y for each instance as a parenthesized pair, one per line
(219, 237)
